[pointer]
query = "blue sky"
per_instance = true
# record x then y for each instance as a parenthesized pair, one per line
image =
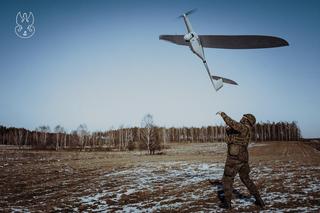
(102, 63)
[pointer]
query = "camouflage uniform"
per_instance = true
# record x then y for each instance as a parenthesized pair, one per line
(238, 137)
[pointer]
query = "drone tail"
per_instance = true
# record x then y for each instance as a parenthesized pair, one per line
(217, 83)
(224, 80)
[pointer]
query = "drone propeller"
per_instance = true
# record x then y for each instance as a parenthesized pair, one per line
(188, 13)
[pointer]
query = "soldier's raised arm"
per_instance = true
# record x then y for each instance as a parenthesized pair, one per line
(233, 124)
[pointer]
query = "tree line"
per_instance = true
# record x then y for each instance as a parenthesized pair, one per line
(147, 137)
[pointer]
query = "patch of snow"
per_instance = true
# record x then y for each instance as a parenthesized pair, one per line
(20, 210)
(257, 144)
(91, 199)
(130, 191)
(129, 209)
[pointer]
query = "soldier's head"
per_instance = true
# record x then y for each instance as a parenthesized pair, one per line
(248, 119)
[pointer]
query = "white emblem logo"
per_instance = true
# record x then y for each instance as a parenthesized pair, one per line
(24, 25)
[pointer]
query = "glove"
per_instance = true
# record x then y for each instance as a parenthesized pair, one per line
(220, 113)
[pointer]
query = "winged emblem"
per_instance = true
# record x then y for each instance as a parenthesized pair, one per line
(24, 25)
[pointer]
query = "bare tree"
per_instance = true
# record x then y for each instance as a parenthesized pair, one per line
(82, 132)
(59, 130)
(20, 135)
(44, 131)
(148, 132)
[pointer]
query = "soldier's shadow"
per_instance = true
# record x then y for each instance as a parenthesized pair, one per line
(220, 193)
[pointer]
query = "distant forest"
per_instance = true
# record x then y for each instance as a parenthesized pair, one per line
(148, 137)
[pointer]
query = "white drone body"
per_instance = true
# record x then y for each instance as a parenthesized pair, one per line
(196, 48)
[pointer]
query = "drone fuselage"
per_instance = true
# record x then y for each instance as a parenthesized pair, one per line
(193, 39)
(195, 44)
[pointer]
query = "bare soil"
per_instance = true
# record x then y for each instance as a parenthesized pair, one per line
(287, 174)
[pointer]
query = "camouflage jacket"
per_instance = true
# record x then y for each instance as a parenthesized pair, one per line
(237, 138)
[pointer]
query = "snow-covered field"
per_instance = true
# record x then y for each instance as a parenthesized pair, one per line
(154, 186)
(184, 179)
(180, 186)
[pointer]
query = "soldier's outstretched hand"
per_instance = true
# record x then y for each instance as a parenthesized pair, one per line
(219, 113)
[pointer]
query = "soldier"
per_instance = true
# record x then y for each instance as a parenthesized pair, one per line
(238, 137)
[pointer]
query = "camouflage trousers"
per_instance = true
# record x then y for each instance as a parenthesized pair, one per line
(232, 168)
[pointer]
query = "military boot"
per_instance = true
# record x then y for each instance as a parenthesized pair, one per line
(225, 205)
(259, 201)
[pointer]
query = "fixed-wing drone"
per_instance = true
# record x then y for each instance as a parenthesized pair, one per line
(197, 42)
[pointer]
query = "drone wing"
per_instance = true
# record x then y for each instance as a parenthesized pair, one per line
(177, 39)
(241, 41)
(231, 41)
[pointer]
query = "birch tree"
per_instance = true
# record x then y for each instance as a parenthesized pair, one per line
(147, 130)
(82, 132)
(44, 130)
(59, 130)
